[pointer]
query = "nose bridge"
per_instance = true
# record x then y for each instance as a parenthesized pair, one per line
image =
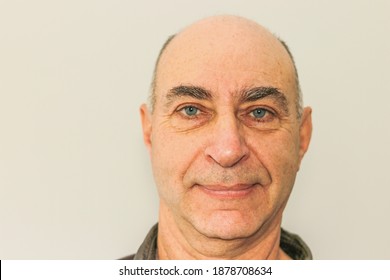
(227, 144)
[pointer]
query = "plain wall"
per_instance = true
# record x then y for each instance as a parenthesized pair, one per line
(75, 178)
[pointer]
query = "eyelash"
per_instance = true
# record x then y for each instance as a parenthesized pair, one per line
(181, 111)
(267, 114)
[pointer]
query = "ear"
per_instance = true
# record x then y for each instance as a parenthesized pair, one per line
(146, 120)
(305, 131)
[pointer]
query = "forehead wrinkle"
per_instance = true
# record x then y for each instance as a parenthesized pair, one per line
(258, 93)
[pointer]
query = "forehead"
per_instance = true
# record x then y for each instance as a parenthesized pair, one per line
(224, 57)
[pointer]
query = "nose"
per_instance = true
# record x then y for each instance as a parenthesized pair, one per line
(227, 146)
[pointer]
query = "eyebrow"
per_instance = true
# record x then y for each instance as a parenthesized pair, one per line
(257, 93)
(190, 91)
(246, 95)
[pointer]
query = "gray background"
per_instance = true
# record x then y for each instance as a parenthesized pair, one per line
(75, 178)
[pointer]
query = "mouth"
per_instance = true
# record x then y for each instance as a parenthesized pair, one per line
(228, 192)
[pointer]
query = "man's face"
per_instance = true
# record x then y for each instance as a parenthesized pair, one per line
(224, 137)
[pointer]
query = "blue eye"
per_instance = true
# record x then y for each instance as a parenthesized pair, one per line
(259, 113)
(190, 110)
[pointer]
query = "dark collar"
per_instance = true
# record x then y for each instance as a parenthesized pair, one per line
(290, 243)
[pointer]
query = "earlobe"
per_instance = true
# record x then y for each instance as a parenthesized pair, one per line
(146, 126)
(305, 131)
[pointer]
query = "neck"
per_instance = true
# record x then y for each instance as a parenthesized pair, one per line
(184, 242)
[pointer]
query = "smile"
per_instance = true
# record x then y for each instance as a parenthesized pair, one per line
(227, 192)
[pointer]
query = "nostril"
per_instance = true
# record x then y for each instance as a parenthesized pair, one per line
(227, 155)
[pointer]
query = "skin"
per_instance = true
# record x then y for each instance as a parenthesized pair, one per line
(225, 141)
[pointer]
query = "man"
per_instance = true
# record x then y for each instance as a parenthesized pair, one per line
(226, 133)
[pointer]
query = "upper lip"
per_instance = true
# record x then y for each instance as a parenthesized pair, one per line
(235, 187)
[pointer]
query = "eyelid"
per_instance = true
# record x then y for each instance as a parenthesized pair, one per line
(180, 110)
(190, 104)
(267, 115)
(252, 108)
(270, 117)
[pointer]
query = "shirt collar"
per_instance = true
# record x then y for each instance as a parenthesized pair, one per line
(290, 243)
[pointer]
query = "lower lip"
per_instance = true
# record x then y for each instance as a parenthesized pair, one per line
(228, 194)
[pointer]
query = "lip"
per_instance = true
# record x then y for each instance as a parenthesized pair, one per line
(227, 192)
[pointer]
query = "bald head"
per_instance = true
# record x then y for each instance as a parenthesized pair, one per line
(226, 40)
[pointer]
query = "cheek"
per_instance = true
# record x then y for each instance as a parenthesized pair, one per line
(171, 157)
(279, 153)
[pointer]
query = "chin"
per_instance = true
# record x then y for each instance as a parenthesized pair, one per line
(227, 225)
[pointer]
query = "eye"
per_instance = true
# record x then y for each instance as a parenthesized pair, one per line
(259, 113)
(190, 116)
(190, 111)
(262, 118)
